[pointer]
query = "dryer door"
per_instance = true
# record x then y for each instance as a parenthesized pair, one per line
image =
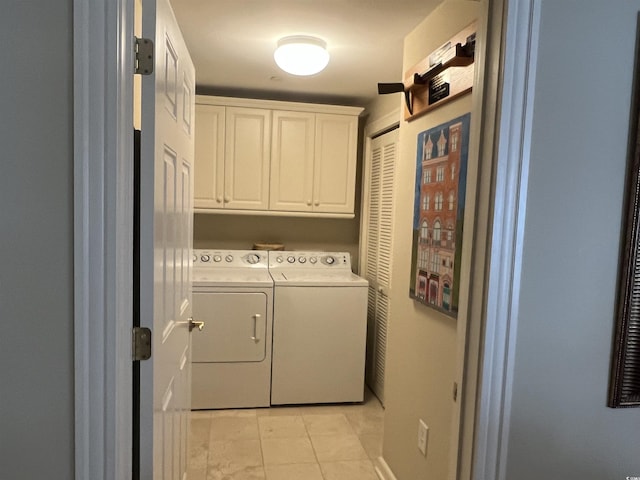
(235, 327)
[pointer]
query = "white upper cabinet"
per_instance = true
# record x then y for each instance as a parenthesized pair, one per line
(232, 155)
(209, 157)
(247, 155)
(292, 155)
(275, 158)
(334, 175)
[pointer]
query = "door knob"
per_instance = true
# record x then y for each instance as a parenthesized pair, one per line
(195, 324)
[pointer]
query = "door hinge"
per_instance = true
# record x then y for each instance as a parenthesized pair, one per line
(143, 56)
(141, 343)
(455, 391)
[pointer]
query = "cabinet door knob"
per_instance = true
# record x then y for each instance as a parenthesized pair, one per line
(219, 199)
(226, 199)
(309, 203)
(317, 203)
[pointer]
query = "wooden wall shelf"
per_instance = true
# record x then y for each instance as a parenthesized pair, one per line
(444, 75)
(462, 56)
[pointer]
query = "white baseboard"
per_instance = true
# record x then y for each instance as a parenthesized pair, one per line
(382, 470)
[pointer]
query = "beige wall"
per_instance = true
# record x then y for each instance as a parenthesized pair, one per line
(422, 348)
(383, 105)
(296, 233)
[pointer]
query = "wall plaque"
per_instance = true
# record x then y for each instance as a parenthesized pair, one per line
(444, 75)
(439, 87)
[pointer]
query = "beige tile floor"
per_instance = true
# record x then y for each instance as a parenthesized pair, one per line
(330, 442)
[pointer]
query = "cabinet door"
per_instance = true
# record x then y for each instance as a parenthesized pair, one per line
(335, 163)
(292, 151)
(247, 155)
(209, 157)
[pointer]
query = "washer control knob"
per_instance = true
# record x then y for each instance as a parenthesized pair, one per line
(313, 260)
(229, 258)
(302, 259)
(253, 258)
(205, 258)
(279, 259)
(217, 258)
(195, 258)
(291, 259)
(330, 260)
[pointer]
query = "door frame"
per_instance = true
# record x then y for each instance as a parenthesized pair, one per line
(512, 60)
(103, 237)
(103, 233)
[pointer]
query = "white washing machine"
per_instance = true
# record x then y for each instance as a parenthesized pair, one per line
(319, 330)
(231, 357)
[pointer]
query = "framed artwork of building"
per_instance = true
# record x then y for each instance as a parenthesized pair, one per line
(438, 214)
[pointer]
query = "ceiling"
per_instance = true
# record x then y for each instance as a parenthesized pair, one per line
(232, 43)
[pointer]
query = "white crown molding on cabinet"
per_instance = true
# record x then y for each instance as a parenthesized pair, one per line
(278, 105)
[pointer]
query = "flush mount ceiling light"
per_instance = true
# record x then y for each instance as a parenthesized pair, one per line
(301, 55)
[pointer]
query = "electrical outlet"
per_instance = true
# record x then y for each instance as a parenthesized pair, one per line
(423, 436)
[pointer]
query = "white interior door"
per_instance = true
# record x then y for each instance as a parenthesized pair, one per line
(166, 238)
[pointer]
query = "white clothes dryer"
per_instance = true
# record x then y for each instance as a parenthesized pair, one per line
(231, 358)
(320, 328)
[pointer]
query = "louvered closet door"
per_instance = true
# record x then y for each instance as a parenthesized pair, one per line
(378, 256)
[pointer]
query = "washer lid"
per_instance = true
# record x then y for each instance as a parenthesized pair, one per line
(236, 277)
(306, 278)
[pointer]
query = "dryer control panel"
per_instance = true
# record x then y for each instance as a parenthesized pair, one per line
(230, 258)
(310, 260)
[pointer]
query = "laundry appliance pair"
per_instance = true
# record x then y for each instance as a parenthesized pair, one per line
(281, 328)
